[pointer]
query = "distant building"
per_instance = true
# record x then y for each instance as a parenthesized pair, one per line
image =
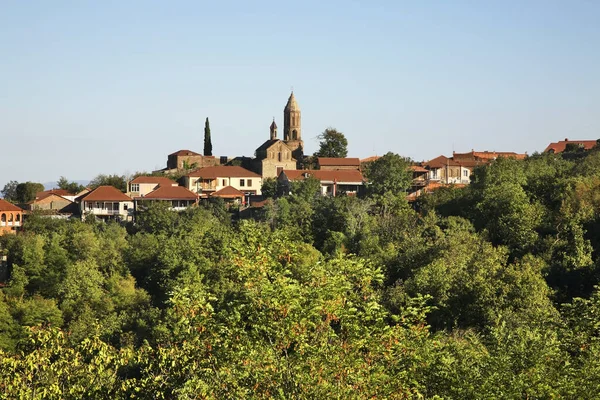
(333, 183)
(186, 159)
(206, 181)
(275, 155)
(107, 202)
(559, 147)
(11, 217)
(178, 197)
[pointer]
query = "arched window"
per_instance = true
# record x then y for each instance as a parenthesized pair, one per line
(10, 217)
(279, 156)
(295, 135)
(3, 217)
(18, 217)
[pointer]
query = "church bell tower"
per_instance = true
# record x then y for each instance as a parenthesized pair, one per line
(292, 127)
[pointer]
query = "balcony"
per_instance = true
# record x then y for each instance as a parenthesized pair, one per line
(10, 223)
(103, 211)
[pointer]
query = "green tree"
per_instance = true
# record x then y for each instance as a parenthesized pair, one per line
(269, 188)
(25, 192)
(207, 139)
(71, 187)
(389, 173)
(9, 192)
(117, 181)
(332, 144)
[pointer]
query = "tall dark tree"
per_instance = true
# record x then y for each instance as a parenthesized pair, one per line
(9, 192)
(332, 144)
(26, 191)
(207, 141)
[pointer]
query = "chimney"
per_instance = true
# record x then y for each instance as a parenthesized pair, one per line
(566, 140)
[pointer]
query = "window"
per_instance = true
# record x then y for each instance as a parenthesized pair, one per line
(224, 183)
(3, 217)
(135, 187)
(249, 182)
(242, 182)
(434, 174)
(279, 156)
(125, 206)
(466, 173)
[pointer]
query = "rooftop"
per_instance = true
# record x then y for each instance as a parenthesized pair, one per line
(228, 192)
(170, 193)
(6, 206)
(559, 147)
(106, 193)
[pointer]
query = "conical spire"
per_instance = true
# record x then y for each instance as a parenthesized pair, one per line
(273, 130)
(291, 104)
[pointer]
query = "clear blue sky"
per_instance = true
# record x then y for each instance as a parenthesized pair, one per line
(91, 87)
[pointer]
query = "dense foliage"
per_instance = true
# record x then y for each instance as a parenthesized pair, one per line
(488, 291)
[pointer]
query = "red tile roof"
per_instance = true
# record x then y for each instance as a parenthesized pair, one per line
(6, 206)
(339, 176)
(106, 193)
(369, 159)
(441, 161)
(228, 192)
(170, 193)
(418, 168)
(58, 192)
(559, 147)
(45, 196)
(223, 171)
(159, 180)
(185, 153)
(332, 162)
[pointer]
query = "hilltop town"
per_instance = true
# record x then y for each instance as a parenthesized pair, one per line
(190, 177)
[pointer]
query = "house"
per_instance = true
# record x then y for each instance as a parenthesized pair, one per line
(206, 181)
(11, 217)
(559, 147)
(446, 170)
(179, 197)
(332, 164)
(107, 202)
(50, 202)
(333, 183)
(142, 185)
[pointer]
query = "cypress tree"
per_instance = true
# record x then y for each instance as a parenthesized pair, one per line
(207, 141)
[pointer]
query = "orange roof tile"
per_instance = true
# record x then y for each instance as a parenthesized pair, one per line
(223, 171)
(417, 168)
(58, 192)
(331, 161)
(106, 193)
(369, 159)
(159, 180)
(170, 193)
(559, 147)
(228, 192)
(6, 206)
(185, 153)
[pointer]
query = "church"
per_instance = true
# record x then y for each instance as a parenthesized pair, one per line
(276, 155)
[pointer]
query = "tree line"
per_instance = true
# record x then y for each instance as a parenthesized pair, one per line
(487, 291)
